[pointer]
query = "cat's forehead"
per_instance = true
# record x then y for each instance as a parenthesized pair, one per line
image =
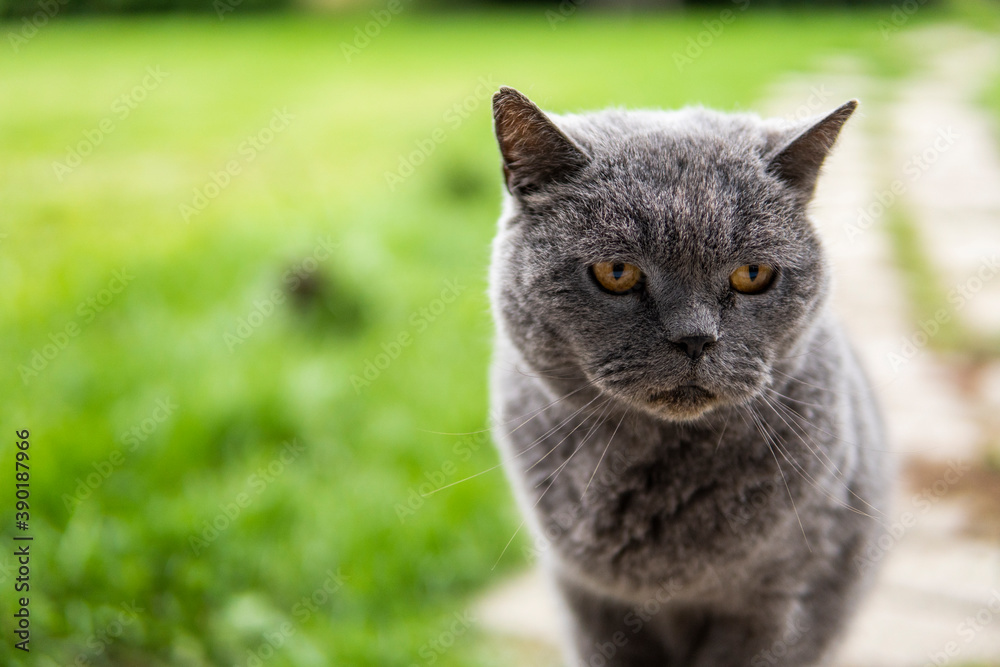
(670, 225)
(693, 137)
(686, 183)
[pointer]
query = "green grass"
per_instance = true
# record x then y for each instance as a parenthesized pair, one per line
(164, 337)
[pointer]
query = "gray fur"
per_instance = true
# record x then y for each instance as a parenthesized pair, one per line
(665, 513)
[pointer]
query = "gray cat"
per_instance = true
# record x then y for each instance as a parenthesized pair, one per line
(686, 427)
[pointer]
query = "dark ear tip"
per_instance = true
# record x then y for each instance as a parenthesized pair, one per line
(847, 108)
(505, 94)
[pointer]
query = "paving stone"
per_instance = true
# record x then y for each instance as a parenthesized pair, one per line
(955, 204)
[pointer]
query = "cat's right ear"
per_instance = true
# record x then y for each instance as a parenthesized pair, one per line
(535, 152)
(799, 162)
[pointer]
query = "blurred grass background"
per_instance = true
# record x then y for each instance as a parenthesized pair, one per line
(347, 506)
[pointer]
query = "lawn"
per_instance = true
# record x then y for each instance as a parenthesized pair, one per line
(244, 295)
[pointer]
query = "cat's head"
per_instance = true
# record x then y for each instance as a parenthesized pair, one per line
(665, 257)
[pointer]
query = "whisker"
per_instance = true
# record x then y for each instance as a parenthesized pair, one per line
(601, 460)
(597, 422)
(552, 430)
(789, 410)
(796, 400)
(797, 467)
(448, 486)
(781, 472)
(532, 414)
(519, 454)
(867, 389)
(839, 474)
(540, 496)
(507, 546)
(808, 384)
(723, 434)
(771, 404)
(552, 372)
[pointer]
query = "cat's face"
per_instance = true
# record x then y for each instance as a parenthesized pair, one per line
(670, 264)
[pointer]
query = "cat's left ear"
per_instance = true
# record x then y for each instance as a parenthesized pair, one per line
(535, 151)
(798, 163)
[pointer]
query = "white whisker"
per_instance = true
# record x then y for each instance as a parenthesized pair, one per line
(781, 472)
(600, 460)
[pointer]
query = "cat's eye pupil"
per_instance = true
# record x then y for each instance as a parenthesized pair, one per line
(616, 277)
(752, 278)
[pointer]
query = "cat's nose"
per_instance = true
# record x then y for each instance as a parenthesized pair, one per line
(694, 346)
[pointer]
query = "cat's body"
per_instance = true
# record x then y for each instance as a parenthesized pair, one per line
(700, 464)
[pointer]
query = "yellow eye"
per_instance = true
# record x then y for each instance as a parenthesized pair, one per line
(617, 277)
(752, 278)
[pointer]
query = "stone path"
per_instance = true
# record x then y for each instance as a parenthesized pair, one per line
(923, 146)
(937, 155)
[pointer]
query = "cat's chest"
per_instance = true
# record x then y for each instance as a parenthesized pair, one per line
(667, 514)
(663, 485)
(620, 476)
(667, 489)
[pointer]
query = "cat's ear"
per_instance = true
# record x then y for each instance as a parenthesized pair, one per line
(799, 161)
(535, 152)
